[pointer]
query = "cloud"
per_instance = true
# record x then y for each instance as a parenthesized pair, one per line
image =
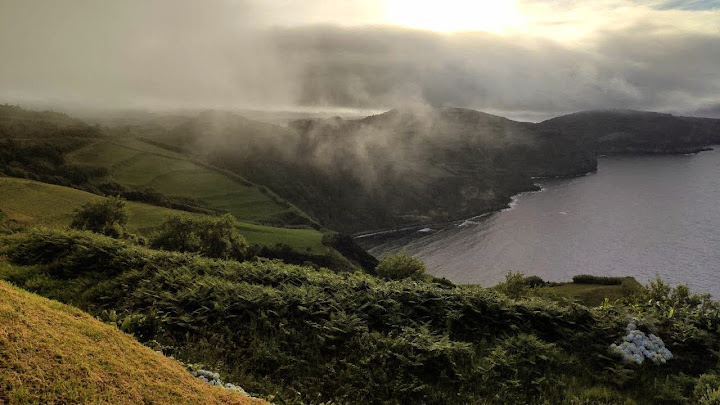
(710, 111)
(566, 56)
(634, 68)
(138, 53)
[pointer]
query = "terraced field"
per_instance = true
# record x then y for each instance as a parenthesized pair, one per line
(39, 204)
(136, 164)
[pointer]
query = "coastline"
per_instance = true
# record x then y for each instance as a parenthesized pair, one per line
(461, 220)
(513, 198)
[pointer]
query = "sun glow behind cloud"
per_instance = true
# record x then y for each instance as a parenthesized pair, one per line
(567, 21)
(454, 15)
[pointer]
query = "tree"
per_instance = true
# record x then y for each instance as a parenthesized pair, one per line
(400, 266)
(107, 216)
(211, 237)
(515, 285)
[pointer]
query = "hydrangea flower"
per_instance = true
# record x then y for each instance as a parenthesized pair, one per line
(214, 379)
(636, 347)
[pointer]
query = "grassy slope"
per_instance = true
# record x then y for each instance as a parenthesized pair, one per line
(34, 203)
(588, 294)
(54, 353)
(136, 164)
(594, 294)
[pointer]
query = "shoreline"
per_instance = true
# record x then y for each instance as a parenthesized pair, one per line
(513, 198)
(509, 205)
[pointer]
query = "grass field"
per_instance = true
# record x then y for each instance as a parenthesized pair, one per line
(594, 294)
(39, 204)
(137, 164)
(54, 353)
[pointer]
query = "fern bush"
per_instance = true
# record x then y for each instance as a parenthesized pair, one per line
(107, 216)
(707, 390)
(310, 335)
(211, 237)
(521, 368)
(400, 266)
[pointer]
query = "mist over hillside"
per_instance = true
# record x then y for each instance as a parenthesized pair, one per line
(421, 164)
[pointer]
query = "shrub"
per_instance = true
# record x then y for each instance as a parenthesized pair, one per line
(535, 281)
(517, 285)
(280, 329)
(107, 217)
(443, 282)
(346, 245)
(400, 266)
(707, 390)
(211, 237)
(514, 286)
(329, 259)
(600, 395)
(273, 326)
(521, 368)
(589, 279)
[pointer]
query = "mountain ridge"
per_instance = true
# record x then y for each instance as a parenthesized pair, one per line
(415, 165)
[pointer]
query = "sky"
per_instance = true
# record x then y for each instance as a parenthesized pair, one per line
(519, 58)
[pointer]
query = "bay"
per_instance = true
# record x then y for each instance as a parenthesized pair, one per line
(643, 216)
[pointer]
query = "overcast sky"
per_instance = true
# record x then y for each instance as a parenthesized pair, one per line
(524, 59)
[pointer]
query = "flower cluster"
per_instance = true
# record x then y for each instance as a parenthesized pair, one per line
(214, 379)
(636, 347)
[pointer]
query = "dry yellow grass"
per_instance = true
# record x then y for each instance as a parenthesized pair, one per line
(52, 353)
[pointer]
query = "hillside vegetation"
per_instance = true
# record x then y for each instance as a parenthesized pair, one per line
(54, 148)
(30, 203)
(401, 167)
(628, 131)
(137, 165)
(421, 165)
(52, 353)
(315, 336)
(33, 145)
(404, 167)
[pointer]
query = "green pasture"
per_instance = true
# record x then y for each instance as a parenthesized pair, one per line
(136, 164)
(594, 294)
(33, 203)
